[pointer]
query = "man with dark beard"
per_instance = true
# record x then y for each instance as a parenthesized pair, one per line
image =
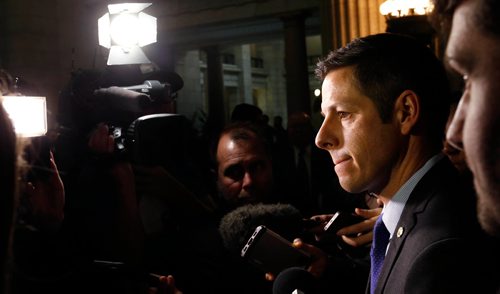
(473, 51)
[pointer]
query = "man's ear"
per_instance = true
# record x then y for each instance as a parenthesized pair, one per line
(407, 110)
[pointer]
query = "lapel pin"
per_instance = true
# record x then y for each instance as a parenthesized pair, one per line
(400, 232)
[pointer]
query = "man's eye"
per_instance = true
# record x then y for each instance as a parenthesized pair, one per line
(234, 172)
(343, 114)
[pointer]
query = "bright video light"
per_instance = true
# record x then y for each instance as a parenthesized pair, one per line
(124, 30)
(27, 113)
(402, 8)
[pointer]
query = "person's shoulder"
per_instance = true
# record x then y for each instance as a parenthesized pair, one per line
(442, 182)
(442, 205)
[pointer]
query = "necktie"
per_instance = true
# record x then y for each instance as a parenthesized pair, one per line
(377, 253)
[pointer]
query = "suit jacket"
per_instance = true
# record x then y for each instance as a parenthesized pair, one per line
(438, 245)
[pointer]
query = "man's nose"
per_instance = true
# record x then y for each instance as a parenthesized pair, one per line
(247, 180)
(454, 132)
(326, 137)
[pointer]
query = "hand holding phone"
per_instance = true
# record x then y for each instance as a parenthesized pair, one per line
(272, 253)
(340, 220)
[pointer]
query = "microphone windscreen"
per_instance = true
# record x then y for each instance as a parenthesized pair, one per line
(121, 99)
(176, 82)
(237, 226)
(295, 278)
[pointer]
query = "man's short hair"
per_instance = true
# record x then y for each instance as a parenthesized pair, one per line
(243, 131)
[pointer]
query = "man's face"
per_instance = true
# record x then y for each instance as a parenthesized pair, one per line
(244, 171)
(364, 150)
(476, 124)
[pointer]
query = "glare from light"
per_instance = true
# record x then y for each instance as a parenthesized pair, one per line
(317, 92)
(423, 7)
(401, 8)
(125, 29)
(27, 113)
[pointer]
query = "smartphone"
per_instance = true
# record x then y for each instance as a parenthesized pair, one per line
(340, 220)
(272, 253)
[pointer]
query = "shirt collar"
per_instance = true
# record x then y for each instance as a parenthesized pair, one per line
(394, 208)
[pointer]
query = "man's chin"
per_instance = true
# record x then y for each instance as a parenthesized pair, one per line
(351, 187)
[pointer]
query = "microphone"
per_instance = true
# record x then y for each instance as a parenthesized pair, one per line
(295, 280)
(237, 226)
(151, 88)
(120, 99)
(154, 88)
(166, 77)
(159, 83)
(133, 99)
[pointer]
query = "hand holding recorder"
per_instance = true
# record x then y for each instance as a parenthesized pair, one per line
(272, 253)
(355, 229)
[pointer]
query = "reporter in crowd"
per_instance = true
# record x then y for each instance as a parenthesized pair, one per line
(473, 52)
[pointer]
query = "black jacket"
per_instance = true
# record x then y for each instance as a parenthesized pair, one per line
(438, 245)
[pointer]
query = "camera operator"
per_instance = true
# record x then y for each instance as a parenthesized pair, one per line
(129, 224)
(126, 197)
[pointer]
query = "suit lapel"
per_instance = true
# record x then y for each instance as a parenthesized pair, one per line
(415, 205)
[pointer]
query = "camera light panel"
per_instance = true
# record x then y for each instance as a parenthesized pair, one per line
(124, 30)
(27, 113)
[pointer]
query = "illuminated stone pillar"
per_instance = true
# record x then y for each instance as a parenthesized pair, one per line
(216, 113)
(297, 77)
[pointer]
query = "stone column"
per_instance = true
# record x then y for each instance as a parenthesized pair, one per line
(243, 60)
(216, 113)
(190, 96)
(297, 77)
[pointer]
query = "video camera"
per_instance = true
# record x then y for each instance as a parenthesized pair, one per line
(159, 139)
(116, 96)
(133, 102)
(154, 89)
(155, 139)
(143, 130)
(119, 106)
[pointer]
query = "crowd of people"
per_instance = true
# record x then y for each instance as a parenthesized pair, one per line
(424, 180)
(110, 216)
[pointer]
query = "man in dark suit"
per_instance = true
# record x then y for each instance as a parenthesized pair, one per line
(385, 99)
